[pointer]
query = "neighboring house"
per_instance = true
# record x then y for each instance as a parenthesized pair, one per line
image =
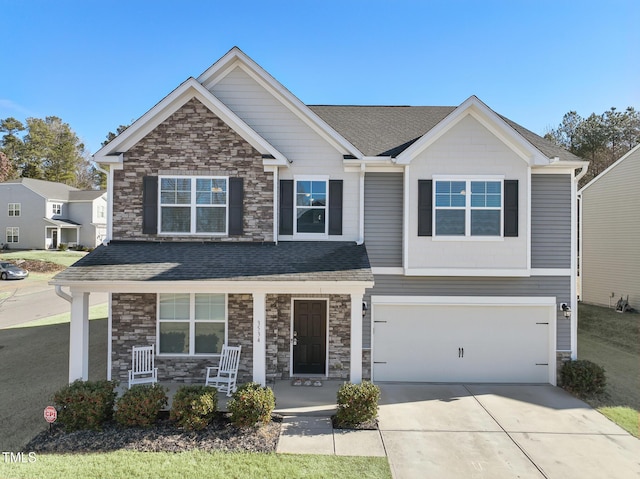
(39, 214)
(392, 243)
(609, 230)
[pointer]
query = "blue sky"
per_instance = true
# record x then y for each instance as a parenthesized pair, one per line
(99, 64)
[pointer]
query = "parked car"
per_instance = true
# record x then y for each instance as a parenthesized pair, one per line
(11, 271)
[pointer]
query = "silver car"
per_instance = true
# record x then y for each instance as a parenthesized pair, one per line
(11, 271)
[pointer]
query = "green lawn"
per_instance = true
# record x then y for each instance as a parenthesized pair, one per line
(65, 258)
(612, 340)
(136, 465)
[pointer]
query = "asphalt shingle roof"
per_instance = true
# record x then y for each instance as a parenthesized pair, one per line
(211, 261)
(389, 130)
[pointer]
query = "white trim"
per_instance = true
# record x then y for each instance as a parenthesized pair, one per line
(355, 346)
(565, 168)
(109, 336)
(360, 206)
(259, 338)
(521, 272)
(405, 218)
(574, 270)
(551, 271)
(306, 235)
(291, 337)
(79, 336)
(169, 105)
(490, 120)
(192, 326)
(388, 270)
(610, 167)
(528, 210)
(276, 204)
(237, 58)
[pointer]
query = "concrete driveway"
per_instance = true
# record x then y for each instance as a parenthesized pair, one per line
(500, 431)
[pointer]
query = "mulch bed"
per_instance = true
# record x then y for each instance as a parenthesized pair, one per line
(37, 266)
(221, 435)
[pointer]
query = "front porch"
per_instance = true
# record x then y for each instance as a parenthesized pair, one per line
(290, 400)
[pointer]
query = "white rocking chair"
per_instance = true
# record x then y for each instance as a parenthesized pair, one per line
(143, 370)
(225, 375)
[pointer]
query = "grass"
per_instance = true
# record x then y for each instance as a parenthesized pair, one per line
(612, 340)
(137, 465)
(99, 311)
(65, 258)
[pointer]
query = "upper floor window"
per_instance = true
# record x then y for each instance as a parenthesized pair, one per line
(193, 205)
(191, 323)
(468, 207)
(56, 208)
(13, 234)
(101, 211)
(14, 209)
(311, 206)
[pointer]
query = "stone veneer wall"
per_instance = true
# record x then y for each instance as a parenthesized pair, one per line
(193, 141)
(366, 364)
(278, 330)
(561, 358)
(134, 324)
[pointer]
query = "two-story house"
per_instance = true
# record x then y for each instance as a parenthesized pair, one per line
(42, 214)
(392, 243)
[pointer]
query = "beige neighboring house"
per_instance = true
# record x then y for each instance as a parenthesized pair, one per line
(37, 214)
(610, 227)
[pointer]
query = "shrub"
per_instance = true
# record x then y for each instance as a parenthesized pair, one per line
(85, 404)
(251, 404)
(140, 405)
(357, 404)
(194, 406)
(583, 378)
(62, 247)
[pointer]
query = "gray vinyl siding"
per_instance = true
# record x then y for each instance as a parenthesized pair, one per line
(383, 203)
(550, 221)
(610, 230)
(557, 286)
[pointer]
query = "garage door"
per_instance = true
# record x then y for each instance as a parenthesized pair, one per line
(513, 343)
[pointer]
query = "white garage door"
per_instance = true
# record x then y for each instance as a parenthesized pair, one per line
(512, 343)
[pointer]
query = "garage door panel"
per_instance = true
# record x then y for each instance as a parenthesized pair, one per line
(445, 343)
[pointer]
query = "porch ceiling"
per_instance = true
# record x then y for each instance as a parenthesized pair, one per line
(216, 261)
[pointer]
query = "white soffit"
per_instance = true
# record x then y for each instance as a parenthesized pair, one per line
(172, 103)
(487, 118)
(236, 58)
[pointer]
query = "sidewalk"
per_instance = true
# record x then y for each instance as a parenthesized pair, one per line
(315, 435)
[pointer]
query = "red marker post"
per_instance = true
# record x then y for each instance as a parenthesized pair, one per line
(50, 415)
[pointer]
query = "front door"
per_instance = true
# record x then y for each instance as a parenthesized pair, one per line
(309, 336)
(54, 239)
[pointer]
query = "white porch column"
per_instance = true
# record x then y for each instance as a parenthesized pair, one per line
(259, 339)
(356, 339)
(79, 337)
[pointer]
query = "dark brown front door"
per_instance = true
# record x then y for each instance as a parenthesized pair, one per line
(310, 336)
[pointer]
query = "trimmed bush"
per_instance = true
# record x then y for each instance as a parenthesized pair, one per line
(140, 405)
(583, 378)
(194, 407)
(251, 404)
(85, 404)
(357, 404)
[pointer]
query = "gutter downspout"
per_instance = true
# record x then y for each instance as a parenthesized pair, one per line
(576, 262)
(361, 207)
(62, 294)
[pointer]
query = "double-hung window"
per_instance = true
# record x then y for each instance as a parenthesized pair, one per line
(191, 323)
(14, 209)
(13, 234)
(194, 205)
(311, 206)
(468, 207)
(56, 208)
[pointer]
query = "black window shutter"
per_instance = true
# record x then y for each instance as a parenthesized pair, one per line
(425, 214)
(236, 200)
(510, 208)
(286, 207)
(335, 207)
(150, 205)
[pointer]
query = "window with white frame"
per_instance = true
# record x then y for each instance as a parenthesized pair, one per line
(311, 206)
(14, 209)
(191, 323)
(468, 207)
(194, 205)
(101, 211)
(13, 234)
(56, 208)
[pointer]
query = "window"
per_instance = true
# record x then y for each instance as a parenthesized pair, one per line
(191, 323)
(311, 206)
(13, 234)
(56, 208)
(468, 207)
(196, 205)
(14, 209)
(101, 211)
